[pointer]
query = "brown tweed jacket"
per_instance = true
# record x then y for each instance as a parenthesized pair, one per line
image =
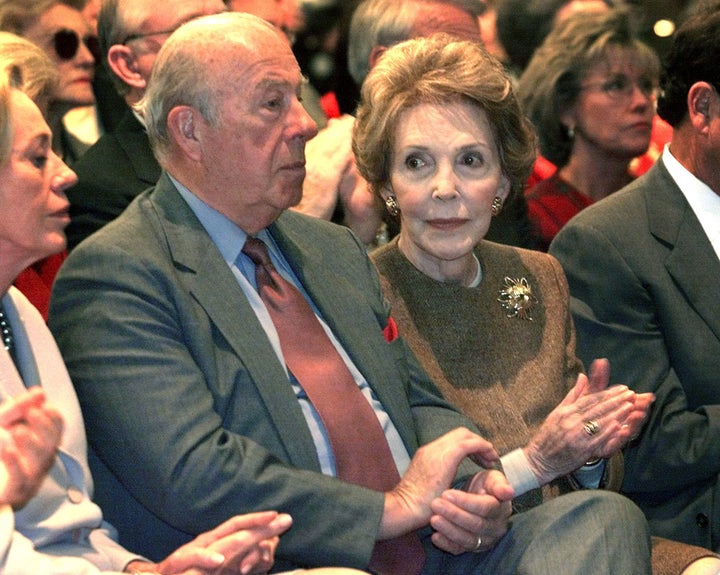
(506, 373)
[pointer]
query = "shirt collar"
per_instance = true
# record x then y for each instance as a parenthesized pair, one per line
(704, 202)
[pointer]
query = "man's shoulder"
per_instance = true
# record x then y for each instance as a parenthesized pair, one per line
(619, 209)
(314, 230)
(127, 231)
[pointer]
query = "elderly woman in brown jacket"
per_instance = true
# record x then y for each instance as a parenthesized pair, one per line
(490, 323)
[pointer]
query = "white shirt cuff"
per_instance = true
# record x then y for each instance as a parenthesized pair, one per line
(517, 470)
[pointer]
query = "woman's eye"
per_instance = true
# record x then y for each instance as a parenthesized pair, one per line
(619, 84)
(414, 162)
(471, 160)
(39, 161)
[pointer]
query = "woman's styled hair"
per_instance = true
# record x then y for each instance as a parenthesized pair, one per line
(17, 15)
(33, 71)
(438, 70)
(551, 83)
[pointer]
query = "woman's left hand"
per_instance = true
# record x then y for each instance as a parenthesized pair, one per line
(592, 421)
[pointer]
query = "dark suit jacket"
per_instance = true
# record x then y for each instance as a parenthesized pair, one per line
(644, 284)
(189, 413)
(111, 174)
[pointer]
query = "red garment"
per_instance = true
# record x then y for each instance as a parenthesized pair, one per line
(551, 203)
(36, 281)
(330, 105)
(661, 135)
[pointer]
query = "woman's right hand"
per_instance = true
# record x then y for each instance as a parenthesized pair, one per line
(564, 442)
(30, 432)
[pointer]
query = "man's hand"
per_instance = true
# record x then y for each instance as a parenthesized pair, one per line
(30, 432)
(431, 471)
(243, 544)
(328, 157)
(473, 520)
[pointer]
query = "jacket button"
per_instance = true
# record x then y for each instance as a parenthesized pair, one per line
(75, 495)
(701, 520)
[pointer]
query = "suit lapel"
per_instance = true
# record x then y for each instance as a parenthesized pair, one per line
(213, 285)
(691, 262)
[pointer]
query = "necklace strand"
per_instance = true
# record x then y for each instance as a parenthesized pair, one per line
(6, 330)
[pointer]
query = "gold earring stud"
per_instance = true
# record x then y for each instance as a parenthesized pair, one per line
(392, 206)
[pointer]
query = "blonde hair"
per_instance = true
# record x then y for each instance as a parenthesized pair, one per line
(6, 130)
(37, 75)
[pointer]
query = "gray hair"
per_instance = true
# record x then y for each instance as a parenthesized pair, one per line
(385, 23)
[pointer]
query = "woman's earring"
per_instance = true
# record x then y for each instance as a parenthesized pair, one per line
(392, 206)
(497, 204)
(571, 133)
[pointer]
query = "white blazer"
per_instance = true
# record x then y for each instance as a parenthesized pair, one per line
(61, 531)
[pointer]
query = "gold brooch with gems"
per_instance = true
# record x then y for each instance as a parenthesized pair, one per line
(517, 299)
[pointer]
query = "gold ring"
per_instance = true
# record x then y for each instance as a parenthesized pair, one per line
(591, 427)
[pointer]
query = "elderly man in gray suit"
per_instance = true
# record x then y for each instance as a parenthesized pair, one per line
(644, 268)
(198, 396)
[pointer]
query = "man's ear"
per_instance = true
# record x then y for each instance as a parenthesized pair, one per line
(184, 125)
(123, 63)
(701, 96)
(375, 55)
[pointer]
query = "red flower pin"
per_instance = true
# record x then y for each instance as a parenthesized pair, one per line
(390, 331)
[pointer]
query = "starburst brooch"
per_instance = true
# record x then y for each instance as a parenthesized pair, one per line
(517, 299)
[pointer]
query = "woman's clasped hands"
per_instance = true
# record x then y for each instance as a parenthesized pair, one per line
(593, 421)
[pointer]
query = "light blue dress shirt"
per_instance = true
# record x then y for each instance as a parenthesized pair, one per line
(230, 239)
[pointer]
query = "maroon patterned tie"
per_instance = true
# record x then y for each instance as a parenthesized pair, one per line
(362, 455)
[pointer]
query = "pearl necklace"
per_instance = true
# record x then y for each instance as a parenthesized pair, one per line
(6, 331)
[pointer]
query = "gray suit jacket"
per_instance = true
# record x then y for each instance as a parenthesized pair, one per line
(190, 415)
(644, 282)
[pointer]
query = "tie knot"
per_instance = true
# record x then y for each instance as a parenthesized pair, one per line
(257, 251)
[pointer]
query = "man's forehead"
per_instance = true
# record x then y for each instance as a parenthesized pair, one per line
(273, 73)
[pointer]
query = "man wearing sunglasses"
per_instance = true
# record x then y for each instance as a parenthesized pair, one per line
(121, 164)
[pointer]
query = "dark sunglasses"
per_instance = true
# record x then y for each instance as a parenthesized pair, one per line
(67, 42)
